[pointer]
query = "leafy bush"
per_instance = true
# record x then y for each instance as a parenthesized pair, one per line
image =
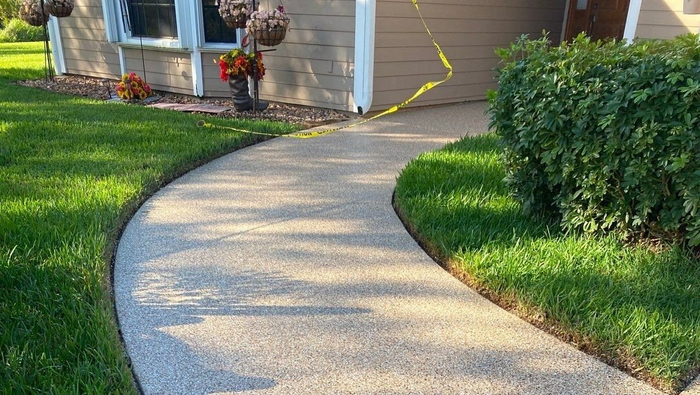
(9, 9)
(18, 31)
(606, 134)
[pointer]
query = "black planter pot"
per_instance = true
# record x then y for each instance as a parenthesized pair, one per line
(241, 95)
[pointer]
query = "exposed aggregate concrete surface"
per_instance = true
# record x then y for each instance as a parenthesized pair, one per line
(283, 269)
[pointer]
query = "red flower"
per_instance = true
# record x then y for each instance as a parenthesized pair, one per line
(223, 67)
(237, 62)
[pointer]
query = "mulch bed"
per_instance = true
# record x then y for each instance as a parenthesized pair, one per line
(93, 88)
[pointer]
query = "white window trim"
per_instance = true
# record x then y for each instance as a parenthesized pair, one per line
(198, 30)
(110, 21)
(113, 14)
(223, 46)
(200, 46)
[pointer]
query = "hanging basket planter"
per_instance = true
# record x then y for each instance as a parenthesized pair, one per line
(269, 28)
(235, 12)
(270, 37)
(60, 8)
(236, 23)
(30, 12)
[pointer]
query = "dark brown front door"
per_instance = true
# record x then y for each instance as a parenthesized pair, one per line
(599, 19)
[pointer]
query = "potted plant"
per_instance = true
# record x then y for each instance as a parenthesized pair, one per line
(60, 8)
(236, 66)
(30, 11)
(133, 88)
(268, 27)
(235, 12)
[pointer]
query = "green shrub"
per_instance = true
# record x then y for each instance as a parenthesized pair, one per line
(9, 9)
(605, 134)
(18, 31)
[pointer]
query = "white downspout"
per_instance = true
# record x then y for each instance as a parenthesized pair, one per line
(632, 20)
(59, 59)
(566, 21)
(365, 18)
(195, 53)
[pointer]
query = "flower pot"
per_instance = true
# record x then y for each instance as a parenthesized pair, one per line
(241, 94)
(270, 37)
(236, 22)
(59, 8)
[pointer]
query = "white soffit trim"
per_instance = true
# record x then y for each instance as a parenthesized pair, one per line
(632, 20)
(59, 59)
(365, 18)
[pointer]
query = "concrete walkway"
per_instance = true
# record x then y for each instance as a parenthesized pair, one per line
(282, 269)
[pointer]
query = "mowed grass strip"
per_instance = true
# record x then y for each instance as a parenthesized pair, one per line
(72, 171)
(636, 307)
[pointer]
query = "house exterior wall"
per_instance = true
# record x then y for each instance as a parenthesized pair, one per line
(665, 19)
(467, 30)
(84, 41)
(169, 71)
(87, 52)
(313, 66)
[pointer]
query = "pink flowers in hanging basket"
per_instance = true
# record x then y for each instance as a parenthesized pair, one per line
(235, 12)
(268, 27)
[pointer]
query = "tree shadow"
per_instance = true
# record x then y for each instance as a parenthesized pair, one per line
(186, 297)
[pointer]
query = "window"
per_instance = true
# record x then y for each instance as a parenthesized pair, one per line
(151, 18)
(215, 29)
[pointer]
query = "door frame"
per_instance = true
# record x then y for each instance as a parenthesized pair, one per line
(631, 23)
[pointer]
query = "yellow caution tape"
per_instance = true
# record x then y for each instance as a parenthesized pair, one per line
(311, 134)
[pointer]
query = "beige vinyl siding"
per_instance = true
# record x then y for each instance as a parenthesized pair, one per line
(665, 19)
(313, 66)
(85, 45)
(467, 30)
(165, 70)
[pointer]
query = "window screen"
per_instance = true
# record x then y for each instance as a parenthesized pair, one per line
(152, 18)
(215, 29)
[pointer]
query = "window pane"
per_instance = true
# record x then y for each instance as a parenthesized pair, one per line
(215, 29)
(152, 18)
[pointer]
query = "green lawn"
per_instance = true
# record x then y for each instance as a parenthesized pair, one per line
(72, 171)
(637, 308)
